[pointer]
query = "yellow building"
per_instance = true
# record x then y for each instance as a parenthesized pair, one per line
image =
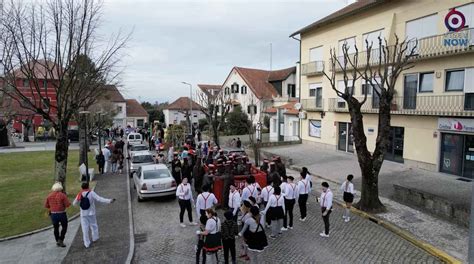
(433, 110)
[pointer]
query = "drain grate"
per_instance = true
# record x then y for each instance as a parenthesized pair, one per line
(140, 238)
(464, 179)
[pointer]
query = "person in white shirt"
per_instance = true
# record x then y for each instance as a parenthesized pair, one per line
(309, 177)
(88, 215)
(212, 242)
(276, 210)
(234, 201)
(107, 157)
(248, 190)
(204, 201)
(303, 191)
(185, 199)
(290, 200)
(284, 182)
(256, 187)
(325, 202)
(348, 189)
(266, 192)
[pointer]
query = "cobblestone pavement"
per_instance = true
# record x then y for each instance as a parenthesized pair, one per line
(159, 239)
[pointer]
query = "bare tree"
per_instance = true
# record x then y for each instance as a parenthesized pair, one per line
(215, 108)
(52, 48)
(379, 69)
(254, 125)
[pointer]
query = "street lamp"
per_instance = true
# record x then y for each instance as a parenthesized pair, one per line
(100, 113)
(86, 158)
(190, 106)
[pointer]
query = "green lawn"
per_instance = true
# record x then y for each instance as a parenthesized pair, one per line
(25, 181)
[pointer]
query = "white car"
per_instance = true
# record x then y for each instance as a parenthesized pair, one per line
(134, 139)
(154, 181)
(137, 148)
(139, 159)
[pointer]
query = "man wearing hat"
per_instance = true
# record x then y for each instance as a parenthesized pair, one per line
(264, 166)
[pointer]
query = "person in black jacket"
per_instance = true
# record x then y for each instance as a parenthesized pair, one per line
(229, 230)
(273, 176)
(198, 175)
(176, 169)
(100, 159)
(186, 171)
(280, 167)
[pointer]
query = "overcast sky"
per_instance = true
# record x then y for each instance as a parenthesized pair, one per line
(200, 41)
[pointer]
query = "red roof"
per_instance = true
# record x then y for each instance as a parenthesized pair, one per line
(42, 69)
(206, 87)
(112, 94)
(259, 80)
(289, 107)
(135, 109)
(354, 8)
(182, 103)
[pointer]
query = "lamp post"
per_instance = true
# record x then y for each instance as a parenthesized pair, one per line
(99, 125)
(190, 106)
(86, 158)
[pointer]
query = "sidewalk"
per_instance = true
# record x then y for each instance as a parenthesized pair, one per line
(37, 248)
(35, 146)
(334, 166)
(113, 220)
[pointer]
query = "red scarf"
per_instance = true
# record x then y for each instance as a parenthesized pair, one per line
(79, 195)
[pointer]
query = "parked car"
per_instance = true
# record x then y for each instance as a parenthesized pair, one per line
(73, 135)
(154, 181)
(134, 139)
(137, 148)
(139, 159)
(237, 151)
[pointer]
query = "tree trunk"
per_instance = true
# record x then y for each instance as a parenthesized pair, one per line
(61, 153)
(369, 200)
(215, 133)
(26, 129)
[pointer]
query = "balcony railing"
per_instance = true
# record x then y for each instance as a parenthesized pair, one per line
(439, 105)
(428, 47)
(312, 68)
(312, 104)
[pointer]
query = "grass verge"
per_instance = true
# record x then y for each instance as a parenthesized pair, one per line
(25, 181)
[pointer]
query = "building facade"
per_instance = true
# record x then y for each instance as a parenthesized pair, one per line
(176, 112)
(433, 109)
(137, 116)
(114, 96)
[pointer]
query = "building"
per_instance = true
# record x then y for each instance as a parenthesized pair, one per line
(176, 112)
(114, 96)
(210, 89)
(284, 122)
(256, 90)
(137, 116)
(432, 114)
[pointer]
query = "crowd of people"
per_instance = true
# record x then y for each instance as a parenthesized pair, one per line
(249, 210)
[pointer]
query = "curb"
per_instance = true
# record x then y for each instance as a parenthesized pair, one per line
(438, 253)
(131, 250)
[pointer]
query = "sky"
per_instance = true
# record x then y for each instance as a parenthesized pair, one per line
(200, 41)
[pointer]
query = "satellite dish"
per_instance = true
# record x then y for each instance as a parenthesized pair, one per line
(298, 106)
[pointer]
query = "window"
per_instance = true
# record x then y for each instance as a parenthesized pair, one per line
(243, 89)
(373, 39)
(349, 43)
(140, 122)
(46, 104)
(314, 128)
(454, 80)
(119, 109)
(469, 101)
(227, 91)
(342, 88)
(312, 92)
(235, 88)
(366, 88)
(45, 83)
(316, 54)
(409, 91)
(426, 82)
(291, 90)
(251, 109)
(468, 12)
(26, 83)
(274, 125)
(421, 27)
(319, 97)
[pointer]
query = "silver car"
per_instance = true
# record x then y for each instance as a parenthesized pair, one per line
(139, 159)
(137, 148)
(154, 181)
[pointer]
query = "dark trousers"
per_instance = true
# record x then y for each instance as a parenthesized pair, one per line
(289, 205)
(229, 245)
(101, 168)
(201, 212)
(185, 205)
(200, 250)
(303, 198)
(57, 219)
(326, 220)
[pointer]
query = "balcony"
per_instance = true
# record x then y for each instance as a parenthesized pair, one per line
(312, 68)
(429, 47)
(435, 105)
(312, 104)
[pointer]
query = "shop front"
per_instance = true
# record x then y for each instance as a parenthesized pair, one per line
(457, 146)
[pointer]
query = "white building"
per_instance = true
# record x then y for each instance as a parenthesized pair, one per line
(114, 96)
(137, 116)
(176, 112)
(284, 122)
(256, 90)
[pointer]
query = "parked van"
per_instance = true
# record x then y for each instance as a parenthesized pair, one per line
(134, 139)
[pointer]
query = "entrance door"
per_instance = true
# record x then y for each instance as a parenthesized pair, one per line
(345, 142)
(469, 157)
(452, 153)
(395, 146)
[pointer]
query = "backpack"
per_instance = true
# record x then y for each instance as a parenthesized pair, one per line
(85, 204)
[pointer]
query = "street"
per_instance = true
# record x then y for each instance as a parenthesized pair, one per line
(160, 239)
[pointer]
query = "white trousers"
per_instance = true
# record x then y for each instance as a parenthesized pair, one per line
(107, 166)
(89, 222)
